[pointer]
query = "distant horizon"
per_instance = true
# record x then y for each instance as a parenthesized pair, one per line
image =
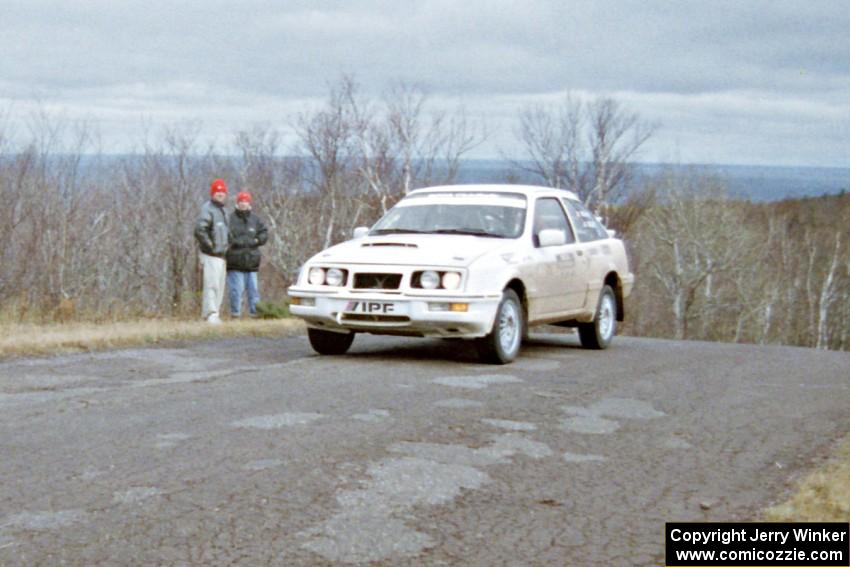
(753, 182)
(492, 160)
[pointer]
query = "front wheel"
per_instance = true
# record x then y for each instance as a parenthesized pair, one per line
(599, 333)
(328, 342)
(501, 346)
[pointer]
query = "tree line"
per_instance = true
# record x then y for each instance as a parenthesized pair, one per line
(109, 237)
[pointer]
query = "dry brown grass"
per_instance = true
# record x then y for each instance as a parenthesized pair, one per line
(32, 339)
(823, 496)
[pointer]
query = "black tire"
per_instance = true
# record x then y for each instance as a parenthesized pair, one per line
(328, 342)
(599, 333)
(502, 345)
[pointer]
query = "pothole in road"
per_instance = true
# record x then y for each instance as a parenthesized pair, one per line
(277, 421)
(262, 464)
(364, 530)
(372, 416)
(367, 529)
(510, 425)
(37, 521)
(592, 424)
(536, 364)
(580, 458)
(476, 382)
(591, 420)
(91, 474)
(458, 403)
(169, 440)
(625, 408)
(136, 494)
(675, 443)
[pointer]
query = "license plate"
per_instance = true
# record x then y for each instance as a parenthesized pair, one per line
(372, 307)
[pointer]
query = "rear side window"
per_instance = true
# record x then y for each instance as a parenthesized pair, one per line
(587, 227)
(548, 213)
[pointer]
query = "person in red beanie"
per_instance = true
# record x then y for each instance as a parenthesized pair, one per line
(213, 236)
(247, 234)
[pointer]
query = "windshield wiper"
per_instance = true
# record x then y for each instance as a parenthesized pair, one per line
(395, 231)
(468, 231)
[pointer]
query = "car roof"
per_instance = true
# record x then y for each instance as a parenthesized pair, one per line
(527, 190)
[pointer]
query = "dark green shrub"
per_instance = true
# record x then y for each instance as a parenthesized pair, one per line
(271, 310)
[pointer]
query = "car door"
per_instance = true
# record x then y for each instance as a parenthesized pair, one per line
(591, 248)
(553, 288)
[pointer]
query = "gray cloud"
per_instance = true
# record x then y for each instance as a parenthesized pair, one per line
(722, 73)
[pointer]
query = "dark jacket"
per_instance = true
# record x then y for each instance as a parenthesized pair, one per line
(211, 229)
(247, 234)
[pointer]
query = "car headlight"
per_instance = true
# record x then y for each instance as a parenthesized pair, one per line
(429, 279)
(451, 280)
(334, 277)
(316, 276)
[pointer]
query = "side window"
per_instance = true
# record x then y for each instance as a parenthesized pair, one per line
(587, 227)
(548, 214)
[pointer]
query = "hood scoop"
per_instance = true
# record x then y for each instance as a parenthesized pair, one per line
(390, 244)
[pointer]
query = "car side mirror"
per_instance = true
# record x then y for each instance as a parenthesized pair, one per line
(551, 237)
(361, 231)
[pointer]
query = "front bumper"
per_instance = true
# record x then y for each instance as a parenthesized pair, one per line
(408, 314)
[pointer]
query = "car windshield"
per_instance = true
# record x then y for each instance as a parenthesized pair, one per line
(495, 219)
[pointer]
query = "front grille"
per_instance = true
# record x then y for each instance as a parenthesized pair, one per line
(375, 318)
(377, 281)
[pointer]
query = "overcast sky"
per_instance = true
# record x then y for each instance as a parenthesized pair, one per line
(737, 82)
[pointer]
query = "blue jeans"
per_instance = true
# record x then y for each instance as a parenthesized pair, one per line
(236, 284)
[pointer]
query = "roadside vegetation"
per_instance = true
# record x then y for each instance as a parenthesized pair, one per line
(822, 496)
(17, 339)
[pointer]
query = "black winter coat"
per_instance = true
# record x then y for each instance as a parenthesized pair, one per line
(247, 234)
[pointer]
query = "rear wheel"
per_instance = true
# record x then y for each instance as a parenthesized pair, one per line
(501, 346)
(599, 333)
(328, 342)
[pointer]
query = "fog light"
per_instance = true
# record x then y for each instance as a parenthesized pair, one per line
(308, 301)
(438, 307)
(459, 307)
(295, 301)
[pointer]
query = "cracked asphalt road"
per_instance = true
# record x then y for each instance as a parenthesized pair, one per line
(404, 452)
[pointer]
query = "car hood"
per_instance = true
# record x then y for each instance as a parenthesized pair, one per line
(421, 249)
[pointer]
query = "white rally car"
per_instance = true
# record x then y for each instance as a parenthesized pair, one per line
(480, 262)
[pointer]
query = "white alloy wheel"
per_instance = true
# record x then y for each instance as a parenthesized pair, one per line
(502, 345)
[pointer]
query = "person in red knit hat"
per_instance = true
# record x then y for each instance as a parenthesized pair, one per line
(247, 234)
(213, 235)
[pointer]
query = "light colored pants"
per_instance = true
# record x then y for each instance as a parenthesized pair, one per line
(215, 271)
(237, 282)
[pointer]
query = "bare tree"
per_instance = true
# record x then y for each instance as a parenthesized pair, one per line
(403, 145)
(550, 136)
(327, 138)
(688, 241)
(615, 137)
(828, 295)
(586, 148)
